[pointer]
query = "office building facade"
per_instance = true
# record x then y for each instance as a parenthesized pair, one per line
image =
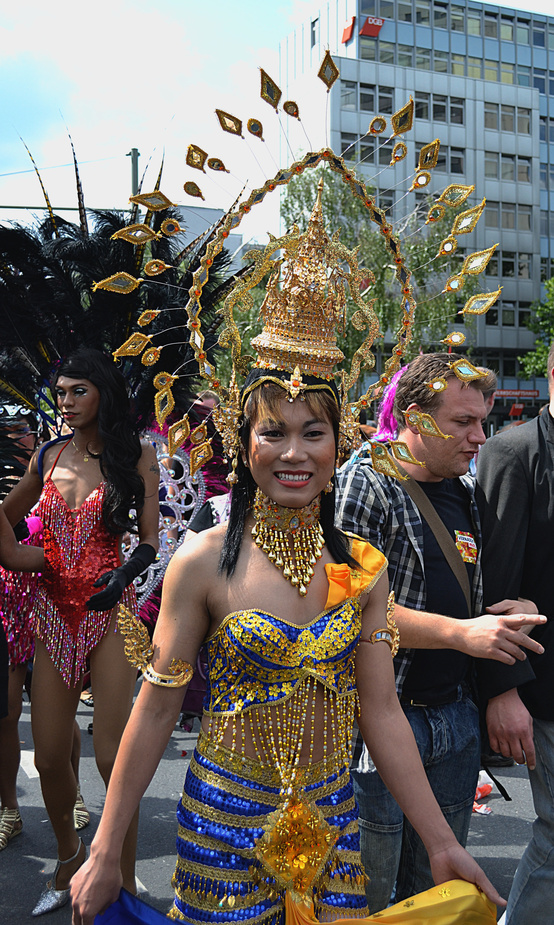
(482, 79)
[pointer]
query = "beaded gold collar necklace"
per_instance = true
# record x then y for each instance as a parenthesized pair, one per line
(292, 538)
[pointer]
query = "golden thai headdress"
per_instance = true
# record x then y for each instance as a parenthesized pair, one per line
(311, 276)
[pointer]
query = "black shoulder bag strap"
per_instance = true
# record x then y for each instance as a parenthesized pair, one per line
(444, 539)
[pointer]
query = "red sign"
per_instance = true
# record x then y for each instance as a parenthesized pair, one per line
(515, 410)
(516, 393)
(372, 26)
(348, 30)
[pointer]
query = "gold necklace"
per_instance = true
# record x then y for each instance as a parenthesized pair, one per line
(292, 538)
(86, 456)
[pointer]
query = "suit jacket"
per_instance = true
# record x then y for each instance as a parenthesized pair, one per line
(515, 495)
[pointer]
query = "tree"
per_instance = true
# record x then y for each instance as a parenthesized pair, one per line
(542, 324)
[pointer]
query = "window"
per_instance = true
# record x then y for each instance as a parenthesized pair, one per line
(544, 224)
(386, 9)
(506, 29)
(551, 176)
(368, 48)
(491, 115)
(457, 18)
(550, 35)
(474, 22)
(457, 110)
(348, 145)
(524, 216)
(492, 269)
(491, 165)
(440, 17)
(386, 52)
(507, 167)
(509, 319)
(543, 180)
(458, 64)
(551, 83)
(508, 215)
(457, 157)
(508, 264)
(423, 59)
(492, 214)
(474, 67)
(491, 26)
(539, 35)
(405, 55)
(523, 121)
(491, 316)
(385, 153)
(509, 364)
(314, 33)
(542, 128)
(523, 75)
(440, 62)
(524, 266)
(422, 12)
(507, 72)
(551, 130)
(490, 71)
(385, 101)
(439, 108)
(524, 314)
(369, 8)
(386, 202)
(508, 118)
(546, 272)
(539, 79)
(348, 94)
(367, 98)
(441, 160)
(367, 149)
(524, 169)
(422, 105)
(522, 32)
(405, 12)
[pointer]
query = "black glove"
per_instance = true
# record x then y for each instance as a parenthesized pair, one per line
(119, 578)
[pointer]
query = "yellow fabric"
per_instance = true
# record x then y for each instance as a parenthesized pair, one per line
(452, 903)
(345, 582)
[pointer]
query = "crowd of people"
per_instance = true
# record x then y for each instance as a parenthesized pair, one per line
(353, 619)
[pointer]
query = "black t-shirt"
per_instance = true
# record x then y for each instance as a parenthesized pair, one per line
(435, 674)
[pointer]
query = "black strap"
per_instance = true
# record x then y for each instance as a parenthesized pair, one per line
(443, 537)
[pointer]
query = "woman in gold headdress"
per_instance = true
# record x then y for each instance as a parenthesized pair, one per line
(296, 619)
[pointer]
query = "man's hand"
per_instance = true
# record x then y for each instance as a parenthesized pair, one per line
(455, 863)
(510, 728)
(507, 606)
(499, 636)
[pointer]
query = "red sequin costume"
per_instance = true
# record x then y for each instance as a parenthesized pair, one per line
(77, 549)
(17, 596)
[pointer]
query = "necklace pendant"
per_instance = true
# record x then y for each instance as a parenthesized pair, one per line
(85, 458)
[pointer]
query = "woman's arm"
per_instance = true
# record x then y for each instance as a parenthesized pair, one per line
(393, 749)
(149, 469)
(15, 556)
(180, 630)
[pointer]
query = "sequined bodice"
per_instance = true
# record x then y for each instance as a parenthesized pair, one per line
(256, 658)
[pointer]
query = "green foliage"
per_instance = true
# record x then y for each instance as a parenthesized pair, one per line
(542, 324)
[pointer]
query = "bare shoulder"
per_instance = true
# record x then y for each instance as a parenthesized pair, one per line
(199, 556)
(148, 456)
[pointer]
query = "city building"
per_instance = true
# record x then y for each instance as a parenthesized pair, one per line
(482, 78)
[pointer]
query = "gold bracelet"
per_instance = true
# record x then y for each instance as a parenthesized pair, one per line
(180, 674)
(390, 635)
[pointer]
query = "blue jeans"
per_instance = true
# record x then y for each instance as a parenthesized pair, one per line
(532, 892)
(392, 852)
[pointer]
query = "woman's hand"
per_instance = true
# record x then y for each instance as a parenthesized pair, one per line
(455, 863)
(94, 887)
(13, 555)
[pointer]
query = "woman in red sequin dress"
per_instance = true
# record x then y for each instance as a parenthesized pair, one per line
(86, 485)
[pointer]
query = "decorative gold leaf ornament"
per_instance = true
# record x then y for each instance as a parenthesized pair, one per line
(291, 109)
(429, 155)
(421, 180)
(448, 246)
(170, 227)
(199, 456)
(328, 72)
(437, 385)
(269, 90)
(155, 267)
(377, 125)
(477, 262)
(256, 128)
(455, 194)
(215, 163)
(196, 157)
(229, 123)
(403, 453)
(399, 152)
(164, 404)
(138, 648)
(177, 433)
(403, 118)
(192, 189)
(390, 635)
(154, 202)
(435, 213)
(151, 356)
(382, 461)
(480, 303)
(134, 345)
(466, 371)
(118, 282)
(467, 221)
(147, 316)
(425, 424)
(136, 234)
(454, 339)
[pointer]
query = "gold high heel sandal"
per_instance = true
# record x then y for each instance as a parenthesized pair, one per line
(81, 815)
(10, 825)
(51, 898)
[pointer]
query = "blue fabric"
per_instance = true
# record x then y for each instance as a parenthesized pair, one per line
(129, 910)
(449, 745)
(530, 899)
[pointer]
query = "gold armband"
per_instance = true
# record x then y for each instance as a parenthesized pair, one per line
(139, 652)
(390, 635)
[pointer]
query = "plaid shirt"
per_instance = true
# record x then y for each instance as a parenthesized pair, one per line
(376, 507)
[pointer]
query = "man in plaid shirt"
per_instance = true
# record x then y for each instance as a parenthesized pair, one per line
(437, 634)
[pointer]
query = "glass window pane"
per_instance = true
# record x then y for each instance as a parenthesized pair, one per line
(405, 56)
(509, 319)
(458, 64)
(422, 105)
(386, 52)
(386, 9)
(522, 32)
(539, 36)
(506, 29)
(524, 315)
(523, 75)
(439, 108)
(491, 165)
(507, 72)
(368, 8)
(524, 266)
(474, 67)
(491, 270)
(457, 110)
(509, 215)
(508, 167)
(524, 218)
(491, 25)
(367, 98)
(550, 35)
(405, 12)
(539, 80)
(440, 62)
(491, 317)
(348, 145)
(423, 12)
(491, 70)
(492, 210)
(368, 48)
(385, 101)
(440, 18)
(508, 264)
(457, 18)
(523, 121)
(474, 22)
(543, 181)
(542, 128)
(491, 115)
(423, 59)
(508, 118)
(523, 170)
(367, 149)
(348, 94)
(385, 153)
(457, 156)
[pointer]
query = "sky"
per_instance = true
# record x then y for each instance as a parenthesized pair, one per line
(146, 74)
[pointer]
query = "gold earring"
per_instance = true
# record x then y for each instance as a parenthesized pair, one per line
(329, 487)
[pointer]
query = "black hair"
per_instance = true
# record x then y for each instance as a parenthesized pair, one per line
(269, 394)
(121, 443)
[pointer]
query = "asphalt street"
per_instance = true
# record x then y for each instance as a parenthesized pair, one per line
(497, 840)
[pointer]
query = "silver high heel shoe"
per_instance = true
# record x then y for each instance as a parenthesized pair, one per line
(51, 898)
